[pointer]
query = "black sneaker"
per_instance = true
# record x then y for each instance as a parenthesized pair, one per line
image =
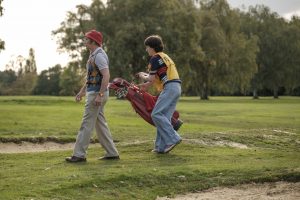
(177, 125)
(110, 158)
(156, 151)
(75, 159)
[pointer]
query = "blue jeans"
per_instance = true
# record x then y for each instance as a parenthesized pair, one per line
(162, 113)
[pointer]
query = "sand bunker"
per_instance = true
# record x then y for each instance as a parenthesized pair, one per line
(264, 191)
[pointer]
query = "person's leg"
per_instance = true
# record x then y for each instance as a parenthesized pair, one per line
(159, 143)
(161, 115)
(87, 126)
(103, 132)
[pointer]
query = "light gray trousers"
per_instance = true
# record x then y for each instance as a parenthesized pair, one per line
(94, 117)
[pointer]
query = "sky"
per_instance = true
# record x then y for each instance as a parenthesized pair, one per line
(28, 24)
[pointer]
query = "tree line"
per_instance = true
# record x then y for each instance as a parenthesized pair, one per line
(218, 50)
(21, 78)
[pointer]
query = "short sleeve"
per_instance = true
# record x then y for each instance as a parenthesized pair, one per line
(101, 61)
(156, 63)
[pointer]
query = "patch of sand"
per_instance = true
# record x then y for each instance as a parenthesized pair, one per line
(216, 143)
(28, 147)
(264, 191)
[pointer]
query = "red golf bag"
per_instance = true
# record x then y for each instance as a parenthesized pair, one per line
(142, 102)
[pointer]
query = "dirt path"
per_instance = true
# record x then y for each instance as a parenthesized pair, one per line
(265, 191)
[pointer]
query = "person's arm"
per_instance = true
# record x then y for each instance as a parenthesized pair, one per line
(102, 63)
(143, 76)
(154, 65)
(145, 86)
(105, 80)
(81, 93)
(104, 84)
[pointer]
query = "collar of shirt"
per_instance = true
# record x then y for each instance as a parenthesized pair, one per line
(94, 52)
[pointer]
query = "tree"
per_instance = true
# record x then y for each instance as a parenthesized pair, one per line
(71, 79)
(125, 25)
(7, 78)
(24, 84)
(25, 72)
(272, 59)
(71, 32)
(217, 49)
(1, 8)
(243, 54)
(229, 55)
(292, 54)
(16, 64)
(186, 49)
(30, 66)
(249, 26)
(48, 81)
(213, 45)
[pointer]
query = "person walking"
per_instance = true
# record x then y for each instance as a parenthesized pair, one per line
(164, 76)
(96, 91)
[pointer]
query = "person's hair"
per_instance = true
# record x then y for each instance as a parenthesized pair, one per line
(155, 42)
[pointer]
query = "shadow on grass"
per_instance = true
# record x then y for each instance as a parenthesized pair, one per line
(170, 159)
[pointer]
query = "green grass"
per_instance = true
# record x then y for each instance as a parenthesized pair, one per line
(61, 116)
(270, 129)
